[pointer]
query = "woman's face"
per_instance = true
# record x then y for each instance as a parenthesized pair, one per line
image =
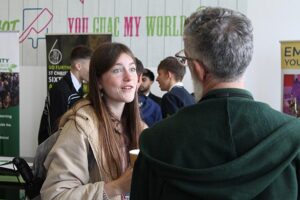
(120, 82)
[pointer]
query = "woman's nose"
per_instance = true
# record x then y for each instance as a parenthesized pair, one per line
(127, 75)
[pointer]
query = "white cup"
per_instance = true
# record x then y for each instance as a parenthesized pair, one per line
(133, 155)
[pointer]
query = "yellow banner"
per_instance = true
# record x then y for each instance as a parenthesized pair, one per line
(290, 54)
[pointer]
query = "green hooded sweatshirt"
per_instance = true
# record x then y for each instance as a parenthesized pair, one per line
(227, 146)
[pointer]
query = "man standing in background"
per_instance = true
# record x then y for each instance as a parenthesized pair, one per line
(145, 87)
(170, 74)
(149, 109)
(65, 92)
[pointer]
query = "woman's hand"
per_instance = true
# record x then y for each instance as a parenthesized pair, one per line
(120, 185)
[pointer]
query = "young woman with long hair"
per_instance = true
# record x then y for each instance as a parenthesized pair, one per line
(90, 158)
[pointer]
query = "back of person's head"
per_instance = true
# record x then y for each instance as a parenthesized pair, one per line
(221, 39)
(171, 64)
(80, 52)
(139, 66)
(148, 73)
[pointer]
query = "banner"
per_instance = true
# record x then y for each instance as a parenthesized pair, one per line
(59, 48)
(290, 65)
(9, 94)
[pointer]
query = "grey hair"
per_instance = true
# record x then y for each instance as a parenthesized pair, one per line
(221, 39)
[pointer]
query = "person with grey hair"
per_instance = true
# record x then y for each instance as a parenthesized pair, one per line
(227, 146)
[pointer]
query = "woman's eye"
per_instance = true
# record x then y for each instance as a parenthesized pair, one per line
(116, 70)
(133, 69)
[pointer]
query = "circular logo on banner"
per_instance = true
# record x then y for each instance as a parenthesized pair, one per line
(55, 56)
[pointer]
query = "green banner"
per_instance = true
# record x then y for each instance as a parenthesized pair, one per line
(9, 136)
(9, 94)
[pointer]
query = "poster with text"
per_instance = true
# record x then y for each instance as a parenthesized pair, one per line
(290, 55)
(291, 94)
(290, 67)
(59, 48)
(9, 94)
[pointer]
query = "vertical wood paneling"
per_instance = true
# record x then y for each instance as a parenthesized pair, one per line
(106, 10)
(27, 66)
(91, 11)
(242, 6)
(192, 6)
(60, 16)
(173, 38)
(139, 43)
(75, 13)
(29, 22)
(91, 8)
(231, 4)
(15, 14)
(44, 24)
(151, 49)
(123, 8)
(210, 2)
(75, 8)
(156, 9)
(45, 20)
(4, 10)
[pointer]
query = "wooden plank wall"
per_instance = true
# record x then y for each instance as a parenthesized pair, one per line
(149, 39)
(149, 48)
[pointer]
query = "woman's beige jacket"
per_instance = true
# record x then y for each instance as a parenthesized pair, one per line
(73, 170)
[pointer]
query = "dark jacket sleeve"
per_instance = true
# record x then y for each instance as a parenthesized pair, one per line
(148, 185)
(170, 104)
(140, 180)
(58, 106)
(45, 129)
(158, 115)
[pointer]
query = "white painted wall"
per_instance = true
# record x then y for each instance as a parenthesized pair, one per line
(149, 49)
(273, 21)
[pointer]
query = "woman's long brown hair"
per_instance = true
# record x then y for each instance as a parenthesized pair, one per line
(103, 59)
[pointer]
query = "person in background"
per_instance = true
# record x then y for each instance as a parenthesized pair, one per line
(90, 159)
(6, 102)
(150, 110)
(65, 92)
(227, 146)
(170, 74)
(145, 87)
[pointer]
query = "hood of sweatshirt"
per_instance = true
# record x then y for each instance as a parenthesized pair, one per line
(243, 177)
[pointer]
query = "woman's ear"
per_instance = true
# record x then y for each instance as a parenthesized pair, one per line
(100, 85)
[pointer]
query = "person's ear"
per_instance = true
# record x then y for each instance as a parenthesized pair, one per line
(77, 66)
(199, 70)
(169, 74)
(140, 78)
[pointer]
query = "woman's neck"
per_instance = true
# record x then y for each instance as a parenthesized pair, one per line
(116, 109)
